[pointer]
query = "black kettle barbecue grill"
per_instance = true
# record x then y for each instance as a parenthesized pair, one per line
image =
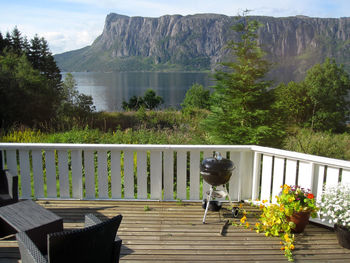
(217, 171)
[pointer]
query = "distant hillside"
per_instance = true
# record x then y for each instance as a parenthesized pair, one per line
(197, 42)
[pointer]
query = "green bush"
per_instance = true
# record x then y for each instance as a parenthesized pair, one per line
(319, 143)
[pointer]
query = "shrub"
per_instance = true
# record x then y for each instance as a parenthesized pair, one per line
(319, 143)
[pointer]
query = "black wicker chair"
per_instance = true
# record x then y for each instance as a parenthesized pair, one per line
(97, 242)
(8, 188)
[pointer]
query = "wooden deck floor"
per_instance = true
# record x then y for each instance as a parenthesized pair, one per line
(173, 232)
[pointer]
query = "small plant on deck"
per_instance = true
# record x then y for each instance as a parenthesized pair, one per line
(274, 219)
(335, 205)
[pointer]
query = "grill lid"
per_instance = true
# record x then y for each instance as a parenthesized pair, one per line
(216, 163)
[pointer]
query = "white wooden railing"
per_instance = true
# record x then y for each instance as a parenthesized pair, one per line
(160, 172)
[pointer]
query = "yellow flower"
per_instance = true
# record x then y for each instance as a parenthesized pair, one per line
(292, 247)
(264, 201)
(243, 219)
(247, 225)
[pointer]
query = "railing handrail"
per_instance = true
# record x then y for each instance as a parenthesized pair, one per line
(302, 156)
(70, 146)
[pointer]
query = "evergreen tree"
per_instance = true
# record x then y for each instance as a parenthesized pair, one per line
(240, 112)
(17, 41)
(34, 54)
(2, 44)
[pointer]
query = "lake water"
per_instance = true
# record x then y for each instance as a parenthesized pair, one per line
(109, 90)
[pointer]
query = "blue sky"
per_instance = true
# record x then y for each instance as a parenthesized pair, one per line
(73, 24)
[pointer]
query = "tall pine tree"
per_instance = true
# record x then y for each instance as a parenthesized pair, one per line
(240, 113)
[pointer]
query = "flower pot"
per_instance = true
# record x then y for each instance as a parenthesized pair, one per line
(343, 236)
(300, 219)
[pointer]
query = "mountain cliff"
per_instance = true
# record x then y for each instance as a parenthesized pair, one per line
(197, 42)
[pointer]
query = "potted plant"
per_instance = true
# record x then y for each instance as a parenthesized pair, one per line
(279, 219)
(335, 207)
(298, 204)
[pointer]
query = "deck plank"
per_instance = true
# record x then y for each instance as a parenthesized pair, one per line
(173, 232)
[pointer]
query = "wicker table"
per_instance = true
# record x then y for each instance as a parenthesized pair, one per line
(31, 218)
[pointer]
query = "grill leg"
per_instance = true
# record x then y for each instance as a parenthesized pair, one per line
(234, 210)
(229, 198)
(208, 201)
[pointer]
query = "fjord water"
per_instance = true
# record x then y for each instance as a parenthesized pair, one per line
(109, 90)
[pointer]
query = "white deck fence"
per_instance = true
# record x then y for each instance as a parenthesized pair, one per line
(160, 172)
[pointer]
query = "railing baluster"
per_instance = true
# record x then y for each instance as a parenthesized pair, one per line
(156, 175)
(77, 174)
(51, 181)
(266, 178)
(332, 176)
(319, 172)
(142, 175)
(168, 175)
(102, 174)
(278, 174)
(194, 174)
(25, 173)
(89, 164)
(246, 172)
(2, 160)
(305, 178)
(235, 181)
(181, 175)
(116, 174)
(12, 161)
(63, 173)
(291, 172)
(38, 175)
(345, 177)
(206, 186)
(128, 174)
(256, 176)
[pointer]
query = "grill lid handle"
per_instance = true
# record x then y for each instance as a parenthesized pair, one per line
(218, 156)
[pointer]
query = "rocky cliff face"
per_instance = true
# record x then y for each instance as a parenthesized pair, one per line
(197, 42)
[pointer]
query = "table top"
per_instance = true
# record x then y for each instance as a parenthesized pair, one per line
(26, 215)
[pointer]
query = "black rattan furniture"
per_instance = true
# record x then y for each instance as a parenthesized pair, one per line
(97, 242)
(30, 217)
(8, 188)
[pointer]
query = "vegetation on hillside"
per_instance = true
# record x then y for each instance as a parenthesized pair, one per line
(31, 88)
